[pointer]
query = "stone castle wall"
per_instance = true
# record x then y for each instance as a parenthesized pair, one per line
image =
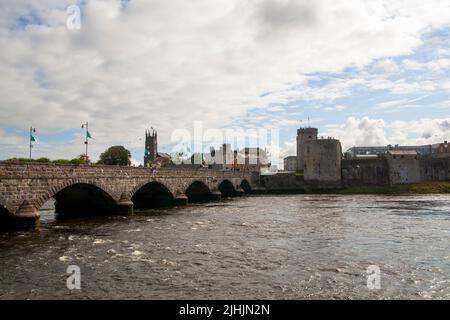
(322, 162)
(404, 169)
(384, 171)
(283, 182)
(358, 172)
(437, 169)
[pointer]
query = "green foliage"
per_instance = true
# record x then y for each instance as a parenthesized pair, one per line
(78, 161)
(61, 161)
(40, 160)
(73, 161)
(115, 156)
(20, 160)
(47, 160)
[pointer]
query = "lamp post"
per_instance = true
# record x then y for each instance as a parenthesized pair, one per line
(86, 126)
(32, 139)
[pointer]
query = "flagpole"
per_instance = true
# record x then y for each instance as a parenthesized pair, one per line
(86, 125)
(31, 146)
(31, 138)
(87, 130)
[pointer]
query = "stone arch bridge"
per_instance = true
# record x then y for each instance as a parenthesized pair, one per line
(24, 188)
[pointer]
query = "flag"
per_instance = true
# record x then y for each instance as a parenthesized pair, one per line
(88, 135)
(32, 138)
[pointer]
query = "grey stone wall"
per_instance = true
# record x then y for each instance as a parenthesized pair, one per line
(404, 169)
(322, 162)
(435, 169)
(283, 182)
(358, 172)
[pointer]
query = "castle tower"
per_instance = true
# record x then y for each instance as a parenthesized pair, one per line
(322, 162)
(151, 146)
(303, 135)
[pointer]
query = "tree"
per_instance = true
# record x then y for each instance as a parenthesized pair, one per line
(79, 160)
(116, 156)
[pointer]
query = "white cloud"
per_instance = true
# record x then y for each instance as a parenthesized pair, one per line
(386, 65)
(168, 63)
(392, 105)
(136, 163)
(410, 64)
(439, 64)
(377, 132)
(10, 139)
(435, 65)
(335, 108)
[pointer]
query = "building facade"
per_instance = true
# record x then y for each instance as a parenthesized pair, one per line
(304, 135)
(440, 150)
(243, 159)
(290, 163)
(364, 151)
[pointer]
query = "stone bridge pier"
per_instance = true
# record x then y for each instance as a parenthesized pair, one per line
(90, 190)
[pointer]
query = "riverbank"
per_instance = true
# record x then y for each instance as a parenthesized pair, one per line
(428, 187)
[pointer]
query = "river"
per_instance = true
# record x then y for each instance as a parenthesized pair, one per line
(258, 247)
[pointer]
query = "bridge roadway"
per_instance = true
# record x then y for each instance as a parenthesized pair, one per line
(94, 189)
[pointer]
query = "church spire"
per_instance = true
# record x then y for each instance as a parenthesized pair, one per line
(151, 146)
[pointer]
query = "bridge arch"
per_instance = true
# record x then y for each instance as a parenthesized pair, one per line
(152, 194)
(4, 209)
(227, 188)
(80, 197)
(73, 182)
(198, 191)
(245, 185)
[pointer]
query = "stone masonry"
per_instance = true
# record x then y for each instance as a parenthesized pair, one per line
(24, 188)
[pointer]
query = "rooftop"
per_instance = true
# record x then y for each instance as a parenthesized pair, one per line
(402, 152)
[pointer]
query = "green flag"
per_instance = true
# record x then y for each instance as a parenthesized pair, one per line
(32, 138)
(88, 135)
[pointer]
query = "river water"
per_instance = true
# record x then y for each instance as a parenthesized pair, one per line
(259, 247)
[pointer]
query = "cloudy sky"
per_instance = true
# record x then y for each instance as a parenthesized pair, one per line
(366, 72)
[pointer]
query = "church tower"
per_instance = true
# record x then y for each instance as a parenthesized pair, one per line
(151, 146)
